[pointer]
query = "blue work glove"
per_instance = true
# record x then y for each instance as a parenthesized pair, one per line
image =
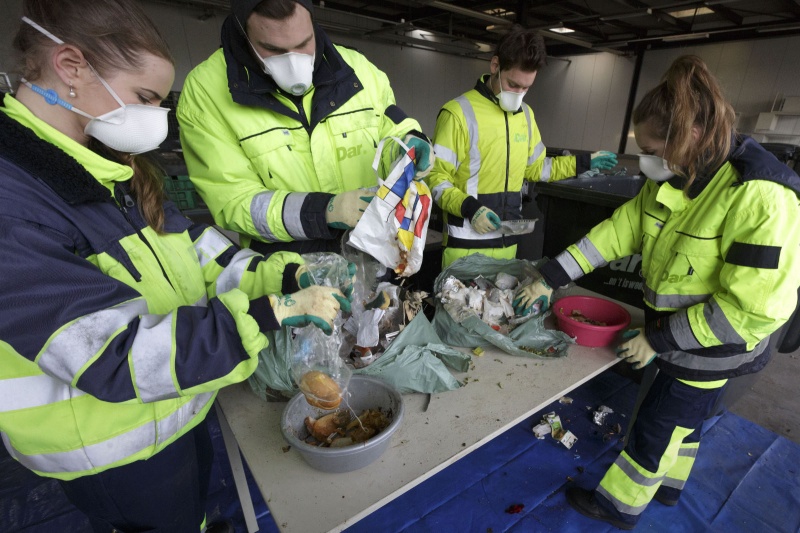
(485, 220)
(313, 305)
(345, 283)
(423, 154)
(346, 208)
(636, 349)
(603, 160)
(527, 296)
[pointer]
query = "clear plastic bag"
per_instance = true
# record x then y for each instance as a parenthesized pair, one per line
(316, 353)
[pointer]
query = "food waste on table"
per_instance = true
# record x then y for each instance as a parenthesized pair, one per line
(491, 301)
(341, 428)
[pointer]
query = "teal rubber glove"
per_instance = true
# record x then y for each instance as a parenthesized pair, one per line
(423, 154)
(346, 208)
(527, 296)
(485, 220)
(603, 160)
(636, 349)
(313, 305)
(348, 279)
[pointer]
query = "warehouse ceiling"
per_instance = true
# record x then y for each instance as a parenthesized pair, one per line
(472, 27)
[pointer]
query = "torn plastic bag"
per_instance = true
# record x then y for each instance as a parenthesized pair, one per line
(458, 325)
(417, 360)
(395, 224)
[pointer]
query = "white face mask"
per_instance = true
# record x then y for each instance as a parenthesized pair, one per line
(131, 128)
(509, 101)
(654, 167)
(292, 72)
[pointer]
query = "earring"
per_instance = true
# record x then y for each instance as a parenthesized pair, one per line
(71, 91)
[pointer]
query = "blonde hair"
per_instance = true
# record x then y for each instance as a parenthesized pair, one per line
(689, 95)
(113, 35)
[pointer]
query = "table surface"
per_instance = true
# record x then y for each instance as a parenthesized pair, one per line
(502, 390)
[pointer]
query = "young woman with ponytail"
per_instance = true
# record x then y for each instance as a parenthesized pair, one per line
(717, 227)
(121, 319)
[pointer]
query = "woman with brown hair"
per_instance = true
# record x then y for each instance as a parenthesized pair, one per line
(716, 224)
(121, 318)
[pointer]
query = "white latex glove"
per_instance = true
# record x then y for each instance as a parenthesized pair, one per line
(313, 305)
(346, 208)
(485, 220)
(536, 291)
(636, 350)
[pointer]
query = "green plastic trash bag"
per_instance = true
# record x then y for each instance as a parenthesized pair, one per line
(460, 326)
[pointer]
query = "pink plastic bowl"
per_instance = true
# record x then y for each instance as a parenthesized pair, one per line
(597, 309)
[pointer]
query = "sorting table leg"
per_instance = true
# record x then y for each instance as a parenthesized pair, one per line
(232, 447)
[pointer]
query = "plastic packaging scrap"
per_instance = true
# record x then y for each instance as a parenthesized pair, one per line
(316, 352)
(329, 270)
(551, 423)
(394, 226)
(599, 416)
(473, 308)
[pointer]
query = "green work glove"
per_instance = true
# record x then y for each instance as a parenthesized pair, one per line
(346, 208)
(485, 220)
(423, 154)
(313, 305)
(636, 349)
(307, 279)
(603, 160)
(527, 296)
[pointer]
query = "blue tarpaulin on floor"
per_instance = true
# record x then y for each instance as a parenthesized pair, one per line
(746, 478)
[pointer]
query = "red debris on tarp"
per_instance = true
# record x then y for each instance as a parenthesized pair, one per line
(516, 508)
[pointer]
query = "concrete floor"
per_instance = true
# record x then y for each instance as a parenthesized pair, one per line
(772, 400)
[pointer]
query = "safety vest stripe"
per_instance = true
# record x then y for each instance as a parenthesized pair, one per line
(259, 208)
(570, 265)
(82, 339)
(592, 254)
(682, 331)
(621, 507)
(673, 483)
(292, 215)
(474, 152)
(115, 449)
(34, 391)
(693, 362)
(446, 154)
(547, 167)
(720, 325)
(231, 277)
(151, 353)
(210, 245)
(439, 190)
(537, 151)
(673, 301)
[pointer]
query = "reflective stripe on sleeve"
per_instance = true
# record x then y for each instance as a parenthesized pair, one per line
(590, 251)
(259, 207)
(547, 168)
(82, 339)
(682, 331)
(570, 265)
(210, 245)
(720, 325)
(231, 277)
(537, 151)
(292, 220)
(151, 354)
(439, 190)
(34, 391)
(116, 448)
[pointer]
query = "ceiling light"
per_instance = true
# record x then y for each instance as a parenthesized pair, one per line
(562, 30)
(685, 37)
(687, 13)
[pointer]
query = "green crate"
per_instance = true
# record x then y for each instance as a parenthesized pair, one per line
(181, 190)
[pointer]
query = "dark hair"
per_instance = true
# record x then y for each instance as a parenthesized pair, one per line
(521, 48)
(276, 9)
(112, 35)
(689, 95)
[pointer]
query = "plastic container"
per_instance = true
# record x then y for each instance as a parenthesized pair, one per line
(596, 309)
(363, 392)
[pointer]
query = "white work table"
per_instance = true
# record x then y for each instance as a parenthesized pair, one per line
(501, 391)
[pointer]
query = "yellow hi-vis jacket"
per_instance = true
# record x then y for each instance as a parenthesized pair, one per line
(113, 338)
(266, 163)
(721, 266)
(484, 155)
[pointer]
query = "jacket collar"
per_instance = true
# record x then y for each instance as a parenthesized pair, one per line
(334, 80)
(48, 163)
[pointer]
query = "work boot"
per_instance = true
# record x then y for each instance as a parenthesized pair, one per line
(667, 496)
(224, 526)
(584, 502)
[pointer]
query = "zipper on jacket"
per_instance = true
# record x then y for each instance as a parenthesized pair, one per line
(123, 204)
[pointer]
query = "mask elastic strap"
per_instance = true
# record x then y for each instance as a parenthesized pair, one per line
(51, 97)
(42, 31)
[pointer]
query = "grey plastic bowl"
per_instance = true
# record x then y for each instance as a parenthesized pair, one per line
(364, 392)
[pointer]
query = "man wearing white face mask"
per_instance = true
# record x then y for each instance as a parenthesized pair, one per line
(279, 128)
(487, 145)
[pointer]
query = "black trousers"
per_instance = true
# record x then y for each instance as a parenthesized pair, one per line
(164, 494)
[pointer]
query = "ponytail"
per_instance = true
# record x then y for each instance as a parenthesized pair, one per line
(689, 96)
